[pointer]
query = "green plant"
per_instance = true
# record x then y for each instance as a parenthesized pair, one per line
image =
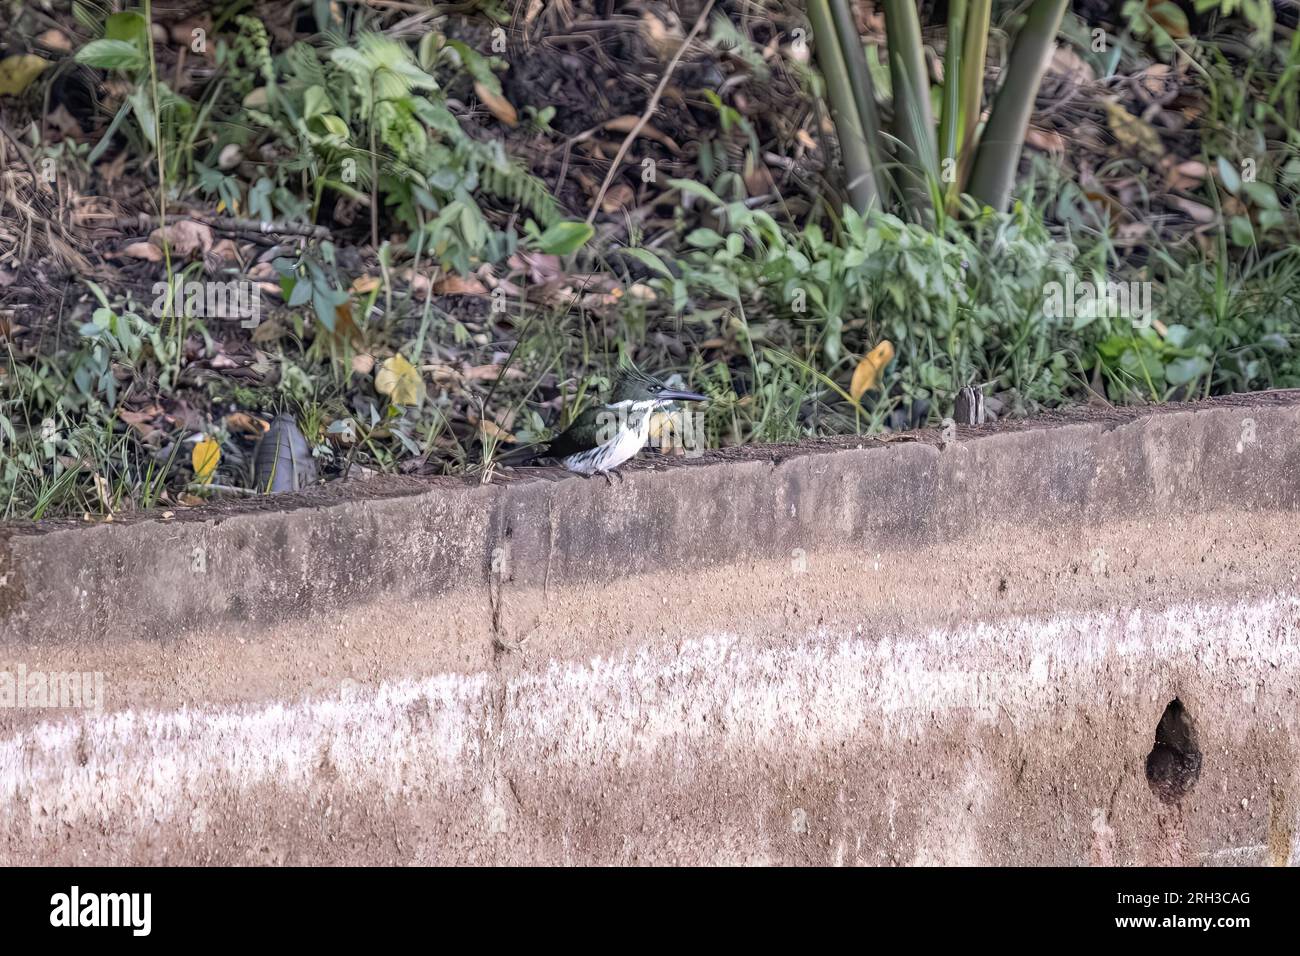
(933, 166)
(962, 305)
(369, 120)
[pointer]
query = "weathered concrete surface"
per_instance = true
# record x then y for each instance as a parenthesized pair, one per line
(907, 652)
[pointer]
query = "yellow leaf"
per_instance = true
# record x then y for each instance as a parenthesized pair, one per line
(400, 381)
(492, 430)
(204, 458)
(1132, 132)
(17, 72)
(665, 433)
(497, 105)
(867, 375)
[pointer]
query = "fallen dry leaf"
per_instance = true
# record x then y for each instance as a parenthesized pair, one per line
(141, 421)
(419, 283)
(114, 168)
(1133, 133)
(1187, 175)
(459, 285)
(185, 237)
(1049, 141)
(231, 155)
(363, 363)
(619, 197)
(1197, 212)
(758, 178)
(1154, 78)
(246, 423)
(663, 36)
(400, 381)
(867, 375)
(143, 250)
(490, 373)
(363, 284)
(55, 40)
(204, 458)
(17, 72)
(65, 123)
(1066, 62)
(497, 105)
(492, 430)
(625, 124)
(541, 267)
(443, 375)
(225, 250)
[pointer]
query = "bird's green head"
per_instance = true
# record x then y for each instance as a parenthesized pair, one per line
(636, 387)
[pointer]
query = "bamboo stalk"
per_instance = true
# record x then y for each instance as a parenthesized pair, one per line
(863, 94)
(998, 157)
(952, 122)
(844, 107)
(913, 118)
(974, 50)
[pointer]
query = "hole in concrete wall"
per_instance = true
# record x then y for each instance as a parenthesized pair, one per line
(1174, 764)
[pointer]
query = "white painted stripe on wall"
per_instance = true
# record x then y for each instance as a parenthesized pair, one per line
(438, 733)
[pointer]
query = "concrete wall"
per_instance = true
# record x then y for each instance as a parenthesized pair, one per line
(849, 652)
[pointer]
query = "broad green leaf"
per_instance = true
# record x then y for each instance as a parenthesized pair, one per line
(1228, 174)
(1185, 370)
(703, 238)
(1240, 229)
(565, 237)
(130, 27)
(649, 260)
(112, 55)
(1262, 195)
(697, 189)
(315, 101)
(143, 108)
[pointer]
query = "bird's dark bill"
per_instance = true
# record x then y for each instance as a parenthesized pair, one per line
(679, 395)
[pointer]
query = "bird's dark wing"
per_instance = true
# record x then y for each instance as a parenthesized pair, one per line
(577, 437)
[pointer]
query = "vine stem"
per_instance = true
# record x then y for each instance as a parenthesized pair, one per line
(168, 303)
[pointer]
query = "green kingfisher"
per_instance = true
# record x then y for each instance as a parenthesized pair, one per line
(605, 436)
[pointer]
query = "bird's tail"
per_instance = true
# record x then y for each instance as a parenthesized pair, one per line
(522, 455)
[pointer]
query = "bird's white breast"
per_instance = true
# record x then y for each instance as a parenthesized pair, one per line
(623, 446)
